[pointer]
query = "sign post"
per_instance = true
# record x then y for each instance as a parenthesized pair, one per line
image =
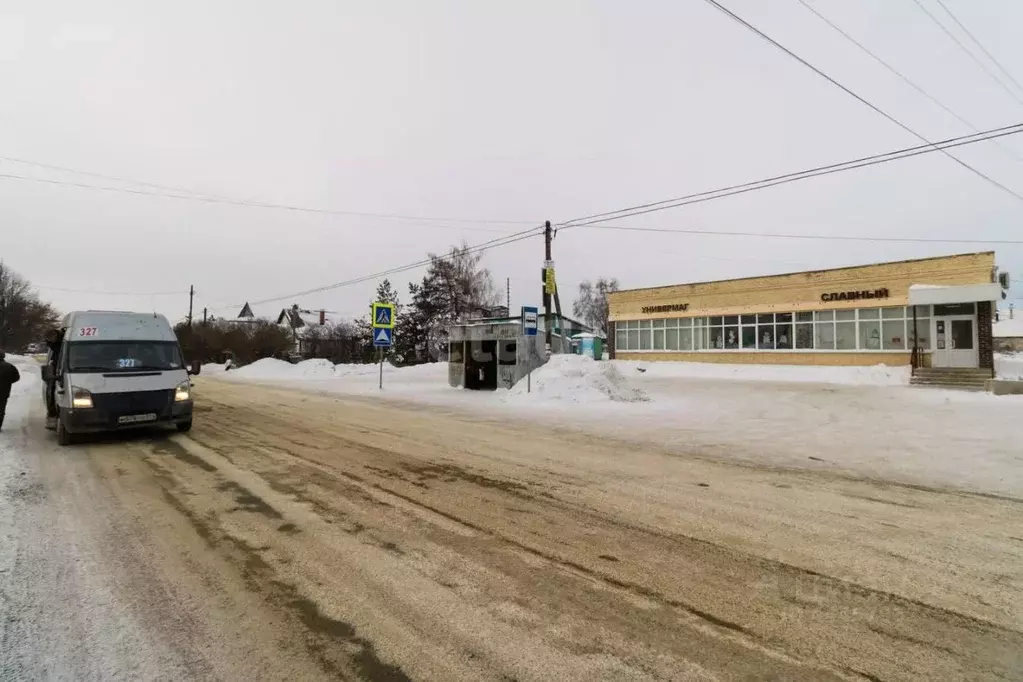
(530, 316)
(383, 331)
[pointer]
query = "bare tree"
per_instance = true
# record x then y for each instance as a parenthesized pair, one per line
(591, 305)
(217, 340)
(24, 319)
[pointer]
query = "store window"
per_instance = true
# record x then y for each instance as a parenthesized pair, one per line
(765, 331)
(717, 337)
(685, 333)
(658, 335)
(645, 334)
(731, 332)
(922, 337)
(870, 328)
(863, 330)
(670, 339)
(845, 330)
(685, 339)
(804, 331)
(893, 334)
(749, 336)
(633, 336)
(783, 331)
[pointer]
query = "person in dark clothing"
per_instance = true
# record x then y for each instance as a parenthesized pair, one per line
(9, 375)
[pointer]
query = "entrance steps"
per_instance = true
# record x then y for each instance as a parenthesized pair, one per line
(971, 379)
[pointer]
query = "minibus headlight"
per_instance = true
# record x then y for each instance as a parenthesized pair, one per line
(80, 398)
(183, 392)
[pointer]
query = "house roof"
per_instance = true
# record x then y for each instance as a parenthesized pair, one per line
(298, 318)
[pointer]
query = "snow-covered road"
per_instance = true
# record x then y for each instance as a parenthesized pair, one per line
(300, 536)
(67, 568)
(863, 422)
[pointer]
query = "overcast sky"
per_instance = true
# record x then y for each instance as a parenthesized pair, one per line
(513, 111)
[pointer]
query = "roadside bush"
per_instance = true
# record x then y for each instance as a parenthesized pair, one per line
(246, 342)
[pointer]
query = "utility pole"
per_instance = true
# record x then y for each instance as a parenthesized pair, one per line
(547, 318)
(191, 298)
(204, 316)
(507, 283)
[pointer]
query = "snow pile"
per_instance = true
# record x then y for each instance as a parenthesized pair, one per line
(1006, 328)
(315, 369)
(353, 378)
(1009, 366)
(578, 379)
(270, 369)
(875, 375)
(363, 370)
(212, 368)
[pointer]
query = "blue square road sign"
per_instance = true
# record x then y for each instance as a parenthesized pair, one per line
(383, 337)
(530, 316)
(383, 315)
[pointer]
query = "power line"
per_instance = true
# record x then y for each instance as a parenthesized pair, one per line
(979, 44)
(965, 49)
(213, 199)
(900, 75)
(128, 181)
(826, 237)
(114, 293)
(673, 203)
(478, 248)
(867, 103)
(863, 162)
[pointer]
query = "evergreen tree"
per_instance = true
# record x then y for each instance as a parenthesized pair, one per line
(454, 288)
(364, 327)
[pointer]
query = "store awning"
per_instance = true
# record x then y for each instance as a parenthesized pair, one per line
(939, 294)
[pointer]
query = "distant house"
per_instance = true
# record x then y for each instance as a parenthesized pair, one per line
(246, 316)
(489, 312)
(1008, 332)
(300, 321)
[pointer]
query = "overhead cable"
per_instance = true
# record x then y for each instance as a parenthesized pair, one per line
(735, 17)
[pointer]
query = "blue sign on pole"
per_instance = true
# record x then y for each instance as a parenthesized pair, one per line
(383, 337)
(530, 315)
(383, 315)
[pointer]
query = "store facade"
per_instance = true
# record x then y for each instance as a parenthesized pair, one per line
(932, 312)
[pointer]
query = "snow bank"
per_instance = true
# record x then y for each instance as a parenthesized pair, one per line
(1009, 366)
(213, 368)
(578, 379)
(1009, 328)
(875, 375)
(270, 369)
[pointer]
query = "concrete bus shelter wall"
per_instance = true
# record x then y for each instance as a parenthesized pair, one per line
(530, 351)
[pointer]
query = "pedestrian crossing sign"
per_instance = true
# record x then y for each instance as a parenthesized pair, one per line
(383, 316)
(383, 337)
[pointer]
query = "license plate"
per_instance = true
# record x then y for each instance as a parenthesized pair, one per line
(136, 418)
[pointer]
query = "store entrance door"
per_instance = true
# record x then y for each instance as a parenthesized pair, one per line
(955, 342)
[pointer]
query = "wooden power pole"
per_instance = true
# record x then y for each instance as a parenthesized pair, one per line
(191, 298)
(547, 317)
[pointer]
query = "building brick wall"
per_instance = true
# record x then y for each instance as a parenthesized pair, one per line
(985, 336)
(802, 290)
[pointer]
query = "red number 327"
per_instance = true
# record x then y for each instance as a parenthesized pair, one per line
(87, 331)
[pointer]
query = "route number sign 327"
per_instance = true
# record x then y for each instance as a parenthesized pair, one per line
(87, 331)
